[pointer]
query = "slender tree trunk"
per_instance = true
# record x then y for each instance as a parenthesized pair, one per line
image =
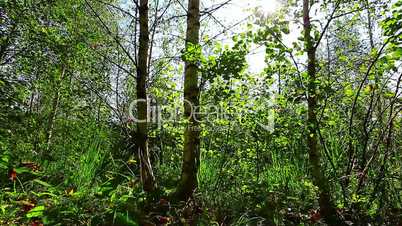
(146, 172)
(53, 113)
(31, 99)
(369, 24)
(327, 209)
(369, 112)
(279, 82)
(191, 153)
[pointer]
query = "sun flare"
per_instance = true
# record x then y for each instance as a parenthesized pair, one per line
(268, 6)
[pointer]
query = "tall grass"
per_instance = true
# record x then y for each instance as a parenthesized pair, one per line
(89, 163)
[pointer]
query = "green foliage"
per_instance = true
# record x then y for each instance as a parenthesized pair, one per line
(67, 142)
(192, 54)
(225, 62)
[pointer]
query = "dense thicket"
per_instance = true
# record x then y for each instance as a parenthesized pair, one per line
(155, 113)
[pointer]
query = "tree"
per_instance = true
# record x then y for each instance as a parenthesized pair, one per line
(147, 176)
(326, 207)
(191, 152)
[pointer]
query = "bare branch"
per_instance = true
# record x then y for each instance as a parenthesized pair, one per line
(110, 33)
(331, 17)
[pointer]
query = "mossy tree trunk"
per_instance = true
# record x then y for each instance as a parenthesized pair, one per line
(146, 172)
(327, 209)
(191, 153)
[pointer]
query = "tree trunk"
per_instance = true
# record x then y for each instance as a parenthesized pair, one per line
(191, 153)
(53, 113)
(146, 172)
(369, 24)
(327, 209)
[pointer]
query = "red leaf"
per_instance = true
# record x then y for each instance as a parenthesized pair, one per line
(12, 175)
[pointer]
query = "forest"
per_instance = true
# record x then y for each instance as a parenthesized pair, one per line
(200, 112)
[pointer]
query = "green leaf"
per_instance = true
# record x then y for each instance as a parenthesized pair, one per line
(42, 183)
(397, 53)
(36, 212)
(23, 170)
(349, 92)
